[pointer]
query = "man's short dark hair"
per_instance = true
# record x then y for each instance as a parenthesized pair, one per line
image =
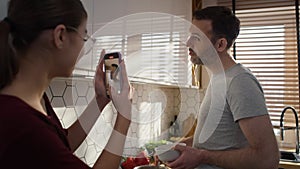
(224, 23)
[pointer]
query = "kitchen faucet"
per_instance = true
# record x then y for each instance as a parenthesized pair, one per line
(282, 128)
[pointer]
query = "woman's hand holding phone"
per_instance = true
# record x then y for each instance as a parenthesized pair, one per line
(120, 91)
(99, 81)
(122, 99)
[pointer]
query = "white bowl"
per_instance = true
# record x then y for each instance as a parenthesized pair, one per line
(149, 167)
(167, 153)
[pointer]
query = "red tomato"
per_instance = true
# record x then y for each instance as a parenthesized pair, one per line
(141, 159)
(128, 164)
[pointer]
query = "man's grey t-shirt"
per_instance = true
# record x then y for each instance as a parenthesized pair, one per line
(243, 98)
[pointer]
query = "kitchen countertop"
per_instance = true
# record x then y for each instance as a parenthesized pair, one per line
(289, 165)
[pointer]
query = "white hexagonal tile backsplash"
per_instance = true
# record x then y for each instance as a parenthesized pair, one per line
(156, 104)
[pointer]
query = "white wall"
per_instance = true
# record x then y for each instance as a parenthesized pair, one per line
(104, 11)
(3, 8)
(206, 3)
(108, 10)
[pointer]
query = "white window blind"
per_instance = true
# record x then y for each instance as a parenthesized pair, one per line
(167, 60)
(153, 47)
(267, 44)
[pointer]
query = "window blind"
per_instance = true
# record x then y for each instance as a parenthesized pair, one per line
(267, 44)
(153, 47)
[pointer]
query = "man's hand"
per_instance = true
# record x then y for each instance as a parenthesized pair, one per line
(189, 158)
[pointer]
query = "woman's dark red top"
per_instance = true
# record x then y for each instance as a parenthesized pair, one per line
(31, 140)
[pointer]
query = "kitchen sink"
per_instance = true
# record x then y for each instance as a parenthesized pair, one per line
(289, 156)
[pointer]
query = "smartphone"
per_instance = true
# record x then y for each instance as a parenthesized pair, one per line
(112, 69)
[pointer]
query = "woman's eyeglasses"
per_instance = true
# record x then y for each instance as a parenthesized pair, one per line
(89, 41)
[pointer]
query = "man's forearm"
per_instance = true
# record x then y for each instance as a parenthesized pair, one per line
(246, 158)
(262, 152)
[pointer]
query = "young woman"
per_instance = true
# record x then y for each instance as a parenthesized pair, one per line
(41, 40)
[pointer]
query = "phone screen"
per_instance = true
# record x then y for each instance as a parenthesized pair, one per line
(111, 63)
